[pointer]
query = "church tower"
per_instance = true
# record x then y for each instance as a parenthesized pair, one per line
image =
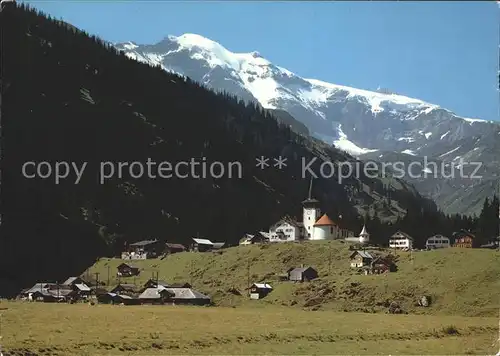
(311, 214)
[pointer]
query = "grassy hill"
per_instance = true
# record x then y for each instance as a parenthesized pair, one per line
(459, 281)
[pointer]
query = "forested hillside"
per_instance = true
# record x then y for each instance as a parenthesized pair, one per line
(67, 96)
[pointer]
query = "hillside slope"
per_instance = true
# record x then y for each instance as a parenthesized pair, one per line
(459, 281)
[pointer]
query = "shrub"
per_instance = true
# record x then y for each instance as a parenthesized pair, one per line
(450, 330)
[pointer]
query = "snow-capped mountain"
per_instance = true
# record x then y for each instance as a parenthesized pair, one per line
(368, 124)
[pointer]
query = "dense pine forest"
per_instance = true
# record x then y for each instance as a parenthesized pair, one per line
(68, 96)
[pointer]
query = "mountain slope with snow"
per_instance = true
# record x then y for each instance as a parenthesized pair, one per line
(361, 122)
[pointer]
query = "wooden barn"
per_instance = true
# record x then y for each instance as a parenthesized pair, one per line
(124, 288)
(380, 265)
(171, 248)
(360, 259)
(153, 283)
(464, 239)
(157, 295)
(189, 296)
(302, 274)
(127, 270)
(259, 290)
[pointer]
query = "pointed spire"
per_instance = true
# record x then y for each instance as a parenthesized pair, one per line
(364, 236)
(310, 188)
(499, 204)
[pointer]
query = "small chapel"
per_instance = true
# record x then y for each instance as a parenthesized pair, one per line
(363, 238)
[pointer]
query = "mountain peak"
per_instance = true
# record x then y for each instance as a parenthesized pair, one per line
(194, 40)
(252, 76)
(383, 90)
(213, 53)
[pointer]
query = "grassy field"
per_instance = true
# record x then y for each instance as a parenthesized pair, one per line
(460, 281)
(81, 329)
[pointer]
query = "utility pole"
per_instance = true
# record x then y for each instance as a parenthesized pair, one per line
(494, 343)
(248, 277)
(498, 237)
(310, 188)
(191, 273)
(498, 353)
(1, 354)
(96, 279)
(108, 275)
(329, 261)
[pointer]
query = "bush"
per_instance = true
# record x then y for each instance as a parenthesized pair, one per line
(451, 330)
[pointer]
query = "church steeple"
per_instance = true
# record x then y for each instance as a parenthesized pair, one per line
(310, 202)
(364, 236)
(311, 213)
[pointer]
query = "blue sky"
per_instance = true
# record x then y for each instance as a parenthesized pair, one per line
(445, 53)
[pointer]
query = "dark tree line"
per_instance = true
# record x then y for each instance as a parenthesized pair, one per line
(68, 96)
(487, 225)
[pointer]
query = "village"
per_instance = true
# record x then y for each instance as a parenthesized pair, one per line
(364, 258)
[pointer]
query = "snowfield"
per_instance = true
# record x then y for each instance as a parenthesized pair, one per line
(322, 106)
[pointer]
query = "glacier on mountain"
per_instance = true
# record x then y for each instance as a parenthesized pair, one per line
(332, 112)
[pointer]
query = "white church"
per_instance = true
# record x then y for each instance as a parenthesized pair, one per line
(314, 226)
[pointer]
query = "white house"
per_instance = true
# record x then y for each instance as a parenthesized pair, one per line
(437, 241)
(401, 241)
(286, 229)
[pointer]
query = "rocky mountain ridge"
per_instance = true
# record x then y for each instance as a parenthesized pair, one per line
(377, 125)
